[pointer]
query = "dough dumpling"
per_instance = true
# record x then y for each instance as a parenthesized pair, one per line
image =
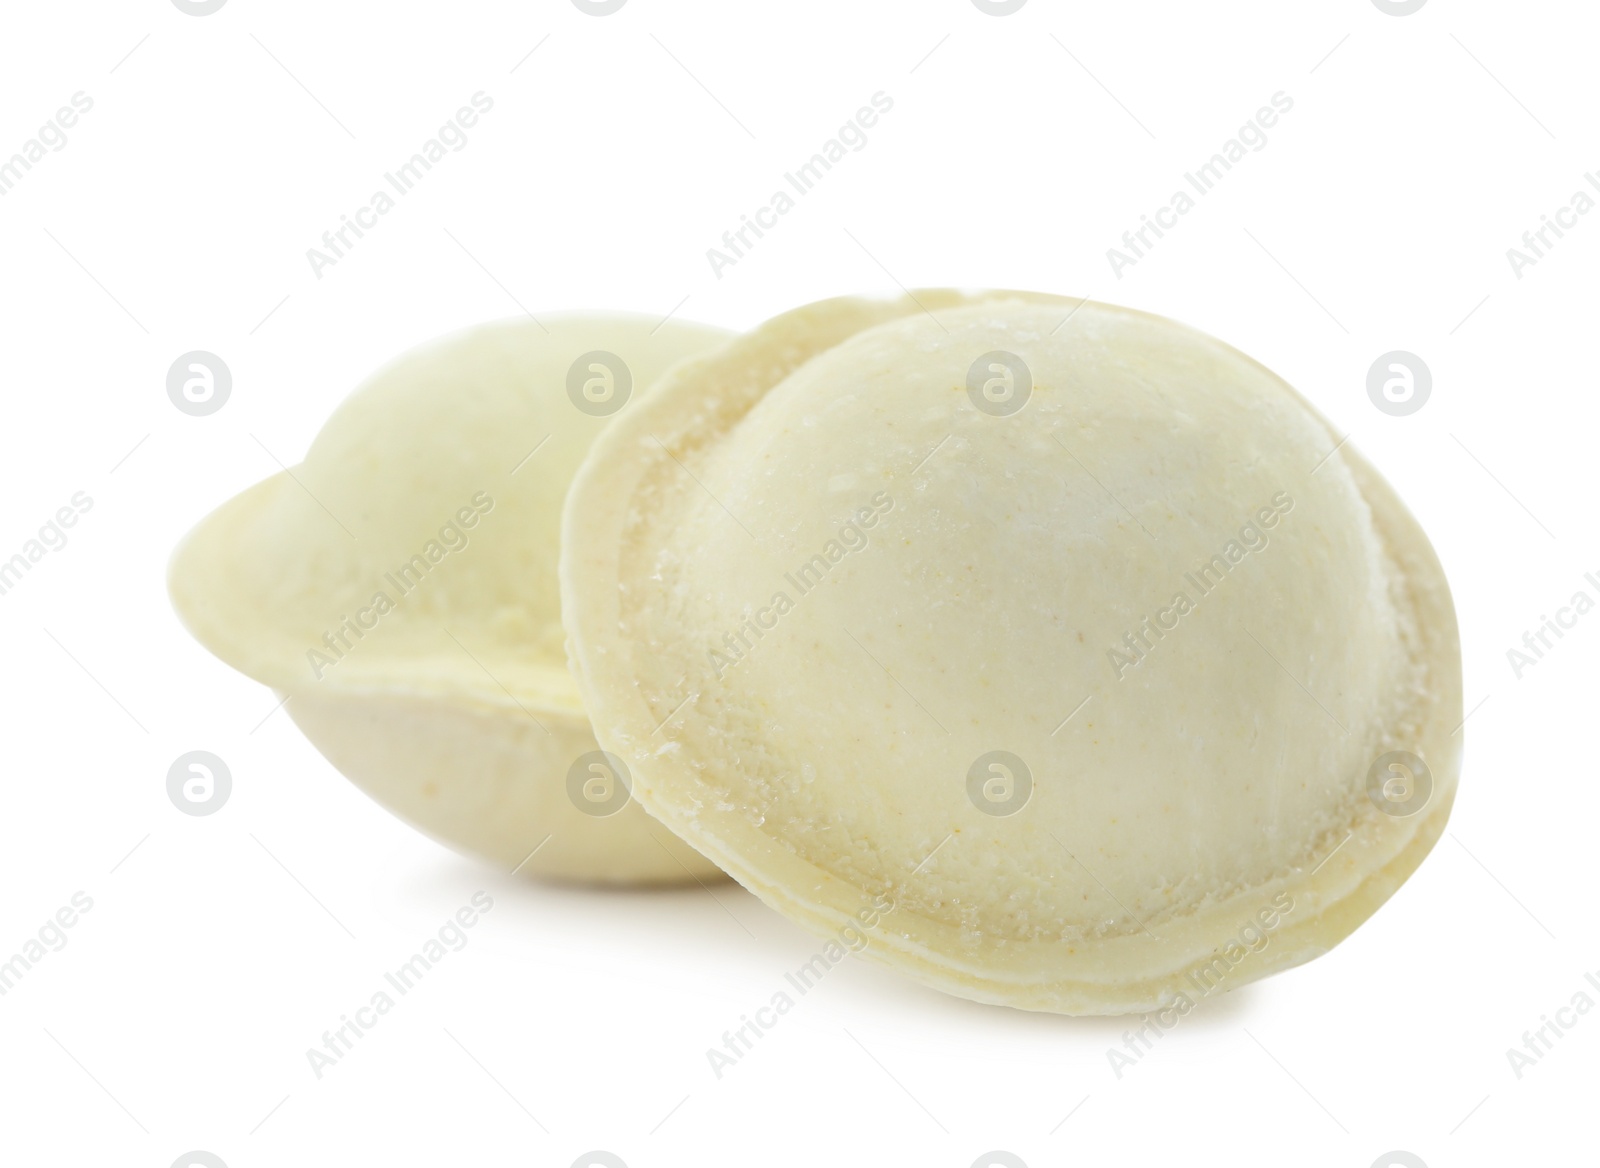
(1044, 643)
(399, 586)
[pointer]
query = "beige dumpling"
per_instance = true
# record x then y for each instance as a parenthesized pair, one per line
(1043, 645)
(400, 587)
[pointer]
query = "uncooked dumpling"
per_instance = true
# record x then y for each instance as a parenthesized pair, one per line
(1055, 626)
(400, 587)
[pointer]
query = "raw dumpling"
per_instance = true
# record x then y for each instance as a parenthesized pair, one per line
(1044, 643)
(400, 587)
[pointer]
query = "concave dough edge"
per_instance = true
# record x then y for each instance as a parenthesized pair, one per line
(468, 740)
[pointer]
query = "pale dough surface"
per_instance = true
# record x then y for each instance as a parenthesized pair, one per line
(454, 708)
(812, 728)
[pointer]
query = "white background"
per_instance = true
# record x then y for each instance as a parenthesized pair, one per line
(177, 217)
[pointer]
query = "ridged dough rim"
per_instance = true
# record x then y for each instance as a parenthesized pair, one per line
(685, 414)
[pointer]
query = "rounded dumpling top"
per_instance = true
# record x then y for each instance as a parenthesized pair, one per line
(1052, 624)
(415, 548)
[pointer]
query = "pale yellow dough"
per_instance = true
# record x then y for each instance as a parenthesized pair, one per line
(1186, 799)
(455, 709)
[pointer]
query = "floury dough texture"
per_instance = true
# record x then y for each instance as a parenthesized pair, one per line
(1053, 625)
(399, 586)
